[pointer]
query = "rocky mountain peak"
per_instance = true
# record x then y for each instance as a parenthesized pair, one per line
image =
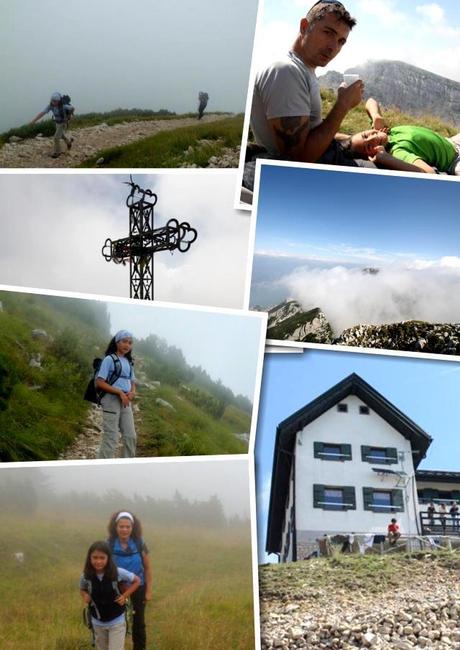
(409, 88)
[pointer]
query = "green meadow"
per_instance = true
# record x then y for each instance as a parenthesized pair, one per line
(202, 593)
(168, 148)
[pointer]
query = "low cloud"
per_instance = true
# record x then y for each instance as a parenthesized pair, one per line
(432, 12)
(384, 10)
(424, 290)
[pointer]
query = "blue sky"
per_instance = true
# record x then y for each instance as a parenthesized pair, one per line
(425, 34)
(426, 391)
(354, 216)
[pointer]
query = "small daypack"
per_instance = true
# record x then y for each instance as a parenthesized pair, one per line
(65, 113)
(94, 394)
(87, 610)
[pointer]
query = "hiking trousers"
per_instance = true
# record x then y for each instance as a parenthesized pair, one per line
(60, 134)
(110, 638)
(138, 632)
(117, 419)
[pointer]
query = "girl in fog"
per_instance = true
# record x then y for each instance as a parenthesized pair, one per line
(100, 588)
(130, 552)
(116, 380)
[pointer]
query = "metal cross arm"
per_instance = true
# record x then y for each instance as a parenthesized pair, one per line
(144, 241)
(173, 236)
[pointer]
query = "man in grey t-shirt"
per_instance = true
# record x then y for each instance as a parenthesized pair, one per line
(286, 110)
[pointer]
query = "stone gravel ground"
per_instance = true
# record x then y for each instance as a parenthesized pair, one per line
(371, 602)
(88, 141)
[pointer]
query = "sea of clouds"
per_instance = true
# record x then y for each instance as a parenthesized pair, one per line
(422, 289)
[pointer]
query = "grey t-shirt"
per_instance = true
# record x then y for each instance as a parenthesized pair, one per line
(287, 88)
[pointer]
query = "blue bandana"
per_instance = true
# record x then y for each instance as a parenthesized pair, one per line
(123, 334)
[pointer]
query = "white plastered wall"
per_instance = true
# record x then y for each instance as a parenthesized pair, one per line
(355, 429)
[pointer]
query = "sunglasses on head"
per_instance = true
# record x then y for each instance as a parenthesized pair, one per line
(328, 2)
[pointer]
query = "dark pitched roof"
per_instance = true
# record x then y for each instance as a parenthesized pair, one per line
(437, 476)
(286, 433)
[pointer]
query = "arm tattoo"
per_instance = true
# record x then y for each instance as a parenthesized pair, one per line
(291, 131)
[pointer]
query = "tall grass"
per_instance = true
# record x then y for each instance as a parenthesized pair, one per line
(168, 148)
(188, 430)
(202, 595)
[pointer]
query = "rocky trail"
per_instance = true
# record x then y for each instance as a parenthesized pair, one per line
(86, 445)
(413, 605)
(88, 141)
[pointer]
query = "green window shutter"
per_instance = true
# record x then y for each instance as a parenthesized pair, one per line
(346, 450)
(397, 500)
(365, 451)
(318, 496)
(349, 497)
(429, 493)
(318, 449)
(368, 498)
(392, 455)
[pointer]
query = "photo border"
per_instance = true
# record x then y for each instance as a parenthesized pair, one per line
(252, 240)
(261, 316)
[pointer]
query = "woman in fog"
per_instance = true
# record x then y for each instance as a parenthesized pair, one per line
(130, 552)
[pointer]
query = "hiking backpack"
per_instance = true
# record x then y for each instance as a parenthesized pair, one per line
(94, 394)
(65, 114)
(129, 610)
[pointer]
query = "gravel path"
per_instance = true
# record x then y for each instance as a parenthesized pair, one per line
(89, 141)
(87, 444)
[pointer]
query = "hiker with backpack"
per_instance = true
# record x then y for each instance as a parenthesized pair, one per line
(203, 99)
(116, 386)
(62, 111)
(105, 588)
(130, 552)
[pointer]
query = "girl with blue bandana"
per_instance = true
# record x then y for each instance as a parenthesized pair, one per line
(116, 379)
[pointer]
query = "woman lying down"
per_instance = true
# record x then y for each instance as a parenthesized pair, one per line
(406, 148)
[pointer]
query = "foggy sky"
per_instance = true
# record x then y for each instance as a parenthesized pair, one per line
(225, 345)
(53, 227)
(194, 479)
(114, 54)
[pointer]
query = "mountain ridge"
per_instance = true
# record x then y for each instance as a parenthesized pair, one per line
(410, 88)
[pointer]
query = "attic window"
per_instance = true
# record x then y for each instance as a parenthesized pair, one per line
(342, 408)
(364, 410)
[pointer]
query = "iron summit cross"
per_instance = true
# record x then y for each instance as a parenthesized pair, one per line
(145, 240)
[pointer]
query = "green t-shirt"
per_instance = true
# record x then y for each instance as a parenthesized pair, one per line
(410, 143)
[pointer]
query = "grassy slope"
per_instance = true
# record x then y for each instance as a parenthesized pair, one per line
(38, 424)
(188, 430)
(202, 596)
(358, 120)
(167, 148)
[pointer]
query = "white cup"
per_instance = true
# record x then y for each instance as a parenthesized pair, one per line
(349, 79)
